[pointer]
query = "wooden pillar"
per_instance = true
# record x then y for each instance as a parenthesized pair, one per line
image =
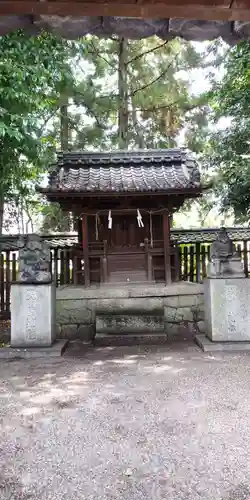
(166, 237)
(85, 246)
(148, 260)
(105, 262)
(79, 230)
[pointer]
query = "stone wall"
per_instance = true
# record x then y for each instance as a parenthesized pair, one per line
(181, 305)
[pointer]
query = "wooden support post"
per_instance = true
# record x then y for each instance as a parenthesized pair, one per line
(105, 262)
(148, 260)
(167, 259)
(85, 246)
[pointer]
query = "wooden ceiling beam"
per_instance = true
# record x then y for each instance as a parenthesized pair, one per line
(190, 9)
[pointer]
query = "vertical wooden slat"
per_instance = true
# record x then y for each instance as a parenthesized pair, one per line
(167, 259)
(2, 286)
(7, 277)
(14, 267)
(245, 259)
(56, 266)
(191, 269)
(239, 250)
(208, 252)
(198, 262)
(51, 263)
(203, 262)
(62, 278)
(74, 270)
(248, 257)
(85, 246)
(180, 262)
(71, 260)
(67, 267)
(177, 270)
(185, 263)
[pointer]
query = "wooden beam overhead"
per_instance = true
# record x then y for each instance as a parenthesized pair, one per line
(221, 10)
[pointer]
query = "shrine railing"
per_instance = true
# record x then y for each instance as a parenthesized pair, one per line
(191, 250)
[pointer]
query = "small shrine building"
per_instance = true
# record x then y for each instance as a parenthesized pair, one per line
(122, 203)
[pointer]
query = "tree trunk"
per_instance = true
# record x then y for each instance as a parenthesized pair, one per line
(139, 138)
(22, 218)
(123, 95)
(64, 126)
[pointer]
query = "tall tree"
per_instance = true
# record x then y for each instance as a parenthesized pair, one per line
(33, 73)
(135, 93)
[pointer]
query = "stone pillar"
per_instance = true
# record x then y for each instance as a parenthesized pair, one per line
(33, 298)
(33, 314)
(226, 294)
(227, 309)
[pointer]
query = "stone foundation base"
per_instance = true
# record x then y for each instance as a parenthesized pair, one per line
(176, 310)
(14, 353)
(208, 346)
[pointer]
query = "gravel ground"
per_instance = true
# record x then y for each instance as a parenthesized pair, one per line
(126, 423)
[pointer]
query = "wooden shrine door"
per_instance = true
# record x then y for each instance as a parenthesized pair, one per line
(125, 233)
(126, 252)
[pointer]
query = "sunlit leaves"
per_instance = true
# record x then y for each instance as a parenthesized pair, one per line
(230, 148)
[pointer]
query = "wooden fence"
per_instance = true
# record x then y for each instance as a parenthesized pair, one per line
(68, 269)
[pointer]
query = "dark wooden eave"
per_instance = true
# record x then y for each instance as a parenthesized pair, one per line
(134, 19)
(73, 195)
(192, 9)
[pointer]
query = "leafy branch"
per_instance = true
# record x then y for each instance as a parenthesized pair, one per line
(149, 51)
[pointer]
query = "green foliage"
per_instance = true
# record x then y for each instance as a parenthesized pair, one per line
(33, 72)
(54, 220)
(229, 149)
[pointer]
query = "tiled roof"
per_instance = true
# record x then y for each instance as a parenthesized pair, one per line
(208, 235)
(182, 236)
(125, 171)
(57, 240)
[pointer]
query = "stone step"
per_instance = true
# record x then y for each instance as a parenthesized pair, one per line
(117, 324)
(131, 339)
(141, 284)
(127, 277)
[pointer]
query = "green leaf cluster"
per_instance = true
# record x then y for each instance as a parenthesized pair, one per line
(229, 148)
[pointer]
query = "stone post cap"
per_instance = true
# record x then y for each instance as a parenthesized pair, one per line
(34, 259)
